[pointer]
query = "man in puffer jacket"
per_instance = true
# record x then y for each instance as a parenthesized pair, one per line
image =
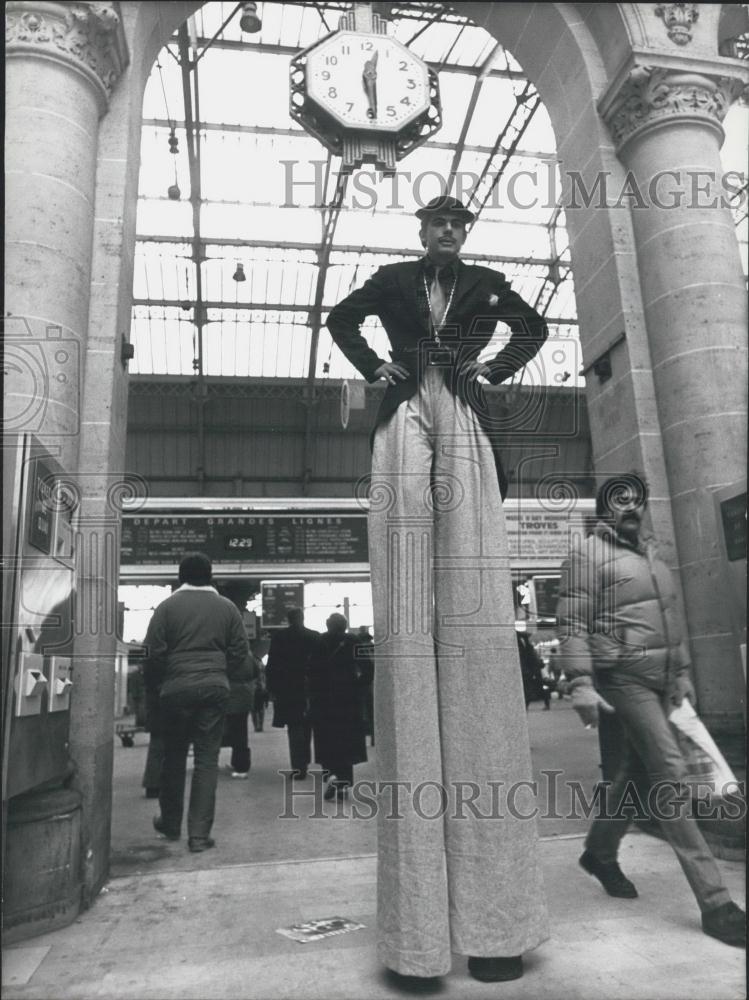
(623, 650)
(195, 642)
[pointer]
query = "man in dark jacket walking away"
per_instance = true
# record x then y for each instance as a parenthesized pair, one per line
(195, 641)
(623, 649)
(338, 677)
(286, 677)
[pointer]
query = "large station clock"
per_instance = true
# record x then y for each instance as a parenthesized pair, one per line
(367, 81)
(363, 94)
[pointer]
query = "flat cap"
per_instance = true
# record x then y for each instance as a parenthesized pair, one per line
(445, 203)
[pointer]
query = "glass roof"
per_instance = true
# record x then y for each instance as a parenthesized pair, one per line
(257, 182)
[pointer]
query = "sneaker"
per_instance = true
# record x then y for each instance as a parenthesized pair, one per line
(496, 970)
(198, 844)
(610, 875)
(158, 825)
(727, 923)
(242, 775)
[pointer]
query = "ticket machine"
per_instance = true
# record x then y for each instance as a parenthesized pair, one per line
(38, 672)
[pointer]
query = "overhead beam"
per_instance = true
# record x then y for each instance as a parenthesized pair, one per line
(468, 118)
(299, 133)
(192, 115)
(330, 215)
(350, 248)
(312, 308)
(230, 44)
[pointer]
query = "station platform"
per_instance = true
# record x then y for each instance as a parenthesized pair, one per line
(172, 924)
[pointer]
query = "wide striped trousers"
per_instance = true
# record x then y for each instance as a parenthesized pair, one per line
(457, 861)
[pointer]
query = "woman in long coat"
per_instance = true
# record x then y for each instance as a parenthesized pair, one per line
(338, 678)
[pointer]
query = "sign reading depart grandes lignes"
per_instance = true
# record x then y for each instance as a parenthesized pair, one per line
(161, 539)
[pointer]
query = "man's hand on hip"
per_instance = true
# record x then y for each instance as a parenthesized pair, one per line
(474, 370)
(392, 372)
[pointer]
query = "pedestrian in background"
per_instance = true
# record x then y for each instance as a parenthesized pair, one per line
(365, 656)
(531, 667)
(260, 699)
(195, 641)
(287, 672)
(336, 684)
(242, 691)
(623, 649)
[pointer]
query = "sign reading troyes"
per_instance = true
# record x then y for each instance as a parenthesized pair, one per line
(542, 537)
(251, 539)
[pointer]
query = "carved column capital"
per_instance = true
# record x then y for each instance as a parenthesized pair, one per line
(649, 96)
(88, 37)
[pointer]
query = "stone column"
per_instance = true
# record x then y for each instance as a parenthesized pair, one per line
(665, 119)
(63, 61)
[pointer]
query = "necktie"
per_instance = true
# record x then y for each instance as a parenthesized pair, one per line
(437, 301)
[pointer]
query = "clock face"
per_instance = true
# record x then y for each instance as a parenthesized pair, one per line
(367, 81)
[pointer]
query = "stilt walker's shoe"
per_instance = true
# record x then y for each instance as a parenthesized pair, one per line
(496, 970)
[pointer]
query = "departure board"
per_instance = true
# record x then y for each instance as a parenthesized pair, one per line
(247, 538)
(277, 597)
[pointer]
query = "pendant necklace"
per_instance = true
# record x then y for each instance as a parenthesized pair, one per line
(435, 325)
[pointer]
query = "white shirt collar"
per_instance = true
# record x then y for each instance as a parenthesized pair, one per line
(190, 586)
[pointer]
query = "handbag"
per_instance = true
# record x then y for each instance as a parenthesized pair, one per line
(705, 763)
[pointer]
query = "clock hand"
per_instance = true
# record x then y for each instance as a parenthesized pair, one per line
(369, 80)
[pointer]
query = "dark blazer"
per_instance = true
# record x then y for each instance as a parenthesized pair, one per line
(482, 298)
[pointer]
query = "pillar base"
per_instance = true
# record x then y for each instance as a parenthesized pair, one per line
(42, 889)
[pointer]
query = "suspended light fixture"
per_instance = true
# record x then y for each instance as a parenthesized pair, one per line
(249, 21)
(174, 192)
(239, 274)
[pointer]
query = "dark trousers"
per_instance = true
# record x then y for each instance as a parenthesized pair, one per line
(258, 716)
(650, 742)
(300, 739)
(235, 736)
(193, 716)
(344, 772)
(154, 759)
